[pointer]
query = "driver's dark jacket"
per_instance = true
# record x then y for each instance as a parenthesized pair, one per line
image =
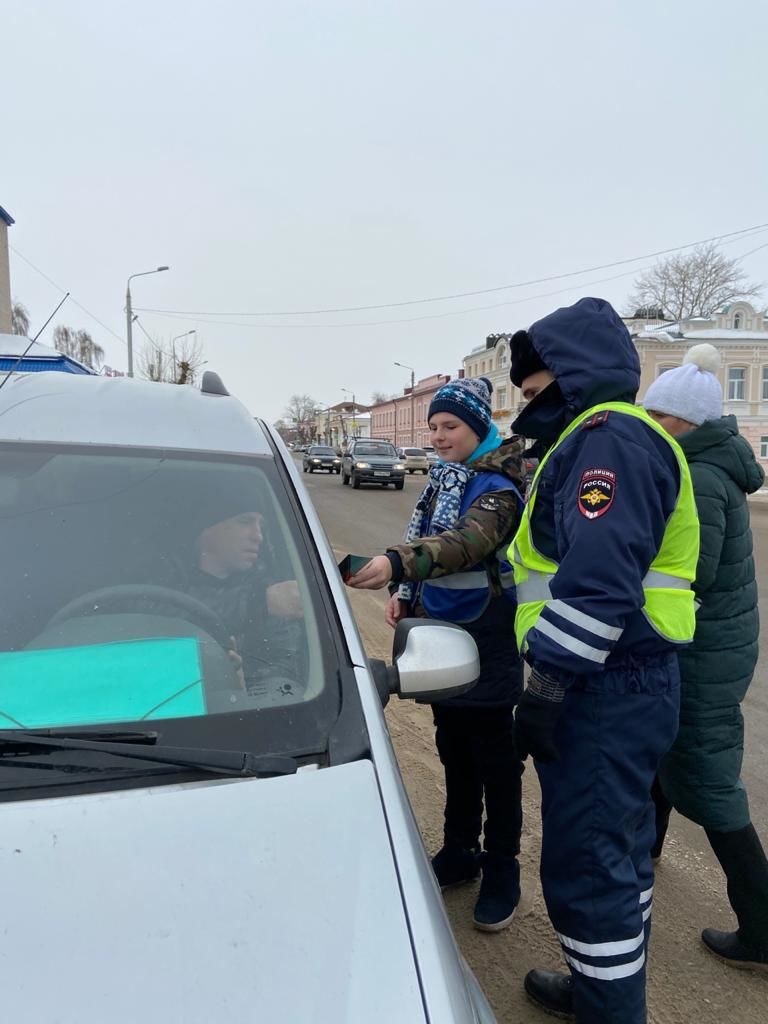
(267, 645)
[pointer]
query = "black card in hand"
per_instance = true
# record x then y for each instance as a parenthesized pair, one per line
(351, 564)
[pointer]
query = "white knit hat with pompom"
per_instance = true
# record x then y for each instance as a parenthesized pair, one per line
(692, 391)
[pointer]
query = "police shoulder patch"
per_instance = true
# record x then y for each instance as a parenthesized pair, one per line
(596, 492)
(595, 421)
(489, 502)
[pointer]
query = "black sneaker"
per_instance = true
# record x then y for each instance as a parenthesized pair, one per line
(499, 892)
(731, 949)
(552, 992)
(454, 865)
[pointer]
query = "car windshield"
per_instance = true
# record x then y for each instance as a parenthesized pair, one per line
(322, 451)
(419, 452)
(154, 589)
(375, 449)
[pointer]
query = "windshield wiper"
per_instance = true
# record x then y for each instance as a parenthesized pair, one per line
(220, 762)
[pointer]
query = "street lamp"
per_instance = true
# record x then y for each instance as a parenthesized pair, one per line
(413, 387)
(129, 313)
(354, 407)
(173, 347)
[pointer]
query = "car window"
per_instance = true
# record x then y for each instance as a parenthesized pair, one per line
(375, 449)
(146, 588)
(317, 450)
(415, 451)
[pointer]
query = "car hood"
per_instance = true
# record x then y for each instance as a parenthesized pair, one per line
(238, 901)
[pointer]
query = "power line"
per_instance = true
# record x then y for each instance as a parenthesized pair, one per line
(462, 295)
(73, 301)
(401, 320)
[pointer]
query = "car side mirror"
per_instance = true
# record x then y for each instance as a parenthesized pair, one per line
(432, 660)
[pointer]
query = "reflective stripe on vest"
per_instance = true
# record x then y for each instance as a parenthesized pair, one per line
(668, 606)
(472, 580)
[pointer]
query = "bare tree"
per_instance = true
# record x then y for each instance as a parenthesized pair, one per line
(300, 413)
(693, 284)
(78, 345)
(20, 319)
(285, 430)
(179, 366)
(381, 396)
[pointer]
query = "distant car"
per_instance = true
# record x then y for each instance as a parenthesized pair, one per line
(321, 457)
(415, 460)
(370, 461)
(431, 454)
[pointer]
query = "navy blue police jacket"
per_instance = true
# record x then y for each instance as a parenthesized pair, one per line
(596, 624)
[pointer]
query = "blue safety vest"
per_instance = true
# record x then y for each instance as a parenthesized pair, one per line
(463, 596)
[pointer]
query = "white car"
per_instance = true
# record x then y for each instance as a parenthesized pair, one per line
(415, 460)
(432, 455)
(203, 819)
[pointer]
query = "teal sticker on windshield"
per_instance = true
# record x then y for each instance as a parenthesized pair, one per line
(122, 682)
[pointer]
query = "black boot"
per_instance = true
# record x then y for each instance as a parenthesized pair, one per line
(499, 892)
(454, 865)
(552, 992)
(743, 860)
(729, 947)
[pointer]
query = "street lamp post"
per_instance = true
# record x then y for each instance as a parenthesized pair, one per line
(413, 388)
(129, 313)
(173, 347)
(354, 407)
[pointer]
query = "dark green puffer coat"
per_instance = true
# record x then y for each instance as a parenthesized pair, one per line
(701, 774)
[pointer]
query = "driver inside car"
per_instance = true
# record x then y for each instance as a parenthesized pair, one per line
(229, 567)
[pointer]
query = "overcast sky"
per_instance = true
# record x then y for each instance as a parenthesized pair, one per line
(308, 154)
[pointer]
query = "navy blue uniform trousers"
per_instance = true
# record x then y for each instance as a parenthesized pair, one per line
(598, 827)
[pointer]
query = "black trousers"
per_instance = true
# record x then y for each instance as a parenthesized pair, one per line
(482, 770)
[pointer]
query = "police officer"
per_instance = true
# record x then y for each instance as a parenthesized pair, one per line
(604, 559)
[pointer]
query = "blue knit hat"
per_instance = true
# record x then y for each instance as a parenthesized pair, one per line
(469, 399)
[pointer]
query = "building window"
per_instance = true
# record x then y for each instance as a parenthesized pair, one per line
(765, 384)
(502, 398)
(503, 359)
(736, 378)
(663, 369)
(764, 447)
(736, 321)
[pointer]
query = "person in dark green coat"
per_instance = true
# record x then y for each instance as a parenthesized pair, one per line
(701, 775)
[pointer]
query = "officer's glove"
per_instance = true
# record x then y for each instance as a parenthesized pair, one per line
(536, 717)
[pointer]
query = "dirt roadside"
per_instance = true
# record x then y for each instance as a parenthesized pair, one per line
(685, 983)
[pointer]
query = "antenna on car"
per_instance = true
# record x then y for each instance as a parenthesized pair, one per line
(29, 346)
(213, 384)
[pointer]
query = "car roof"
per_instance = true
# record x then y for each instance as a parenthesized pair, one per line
(69, 409)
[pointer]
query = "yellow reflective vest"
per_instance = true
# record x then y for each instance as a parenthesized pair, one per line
(668, 597)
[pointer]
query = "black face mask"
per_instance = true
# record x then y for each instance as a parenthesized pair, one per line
(545, 417)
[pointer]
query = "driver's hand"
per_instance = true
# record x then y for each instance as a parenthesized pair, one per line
(237, 661)
(284, 600)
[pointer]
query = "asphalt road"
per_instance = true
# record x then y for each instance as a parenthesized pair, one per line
(363, 522)
(685, 983)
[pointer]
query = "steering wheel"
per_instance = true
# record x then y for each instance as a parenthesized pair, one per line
(143, 597)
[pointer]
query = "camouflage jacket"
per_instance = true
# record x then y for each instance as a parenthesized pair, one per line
(477, 535)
